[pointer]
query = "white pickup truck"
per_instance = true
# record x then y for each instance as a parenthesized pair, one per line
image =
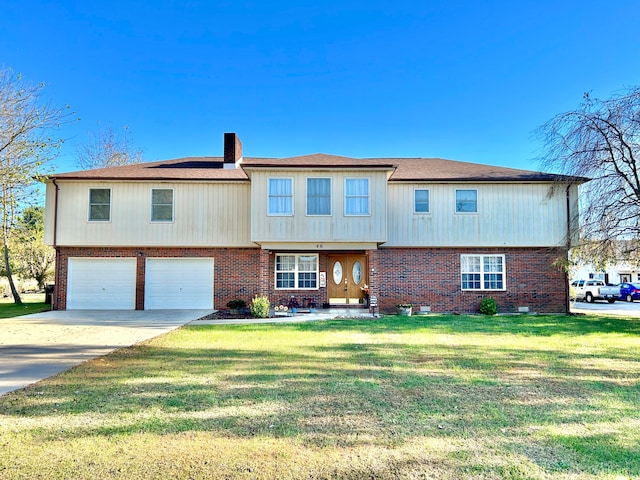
(592, 290)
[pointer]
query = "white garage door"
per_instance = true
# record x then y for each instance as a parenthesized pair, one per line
(178, 283)
(101, 284)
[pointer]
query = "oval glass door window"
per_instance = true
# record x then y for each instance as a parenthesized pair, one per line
(356, 272)
(337, 273)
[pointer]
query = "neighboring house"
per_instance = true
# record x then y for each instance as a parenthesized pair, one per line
(198, 232)
(613, 274)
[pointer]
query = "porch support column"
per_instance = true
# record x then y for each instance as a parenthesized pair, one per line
(374, 271)
(263, 274)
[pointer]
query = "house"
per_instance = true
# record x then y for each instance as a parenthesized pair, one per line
(198, 232)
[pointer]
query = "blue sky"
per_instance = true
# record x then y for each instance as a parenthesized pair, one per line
(464, 80)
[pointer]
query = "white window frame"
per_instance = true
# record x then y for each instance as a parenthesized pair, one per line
(269, 196)
(415, 211)
(173, 202)
(89, 219)
(296, 271)
(482, 272)
(463, 212)
(330, 197)
(367, 196)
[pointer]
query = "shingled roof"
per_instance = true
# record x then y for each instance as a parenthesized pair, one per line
(404, 169)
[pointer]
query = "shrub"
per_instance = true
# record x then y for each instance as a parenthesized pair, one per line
(236, 304)
(488, 306)
(260, 307)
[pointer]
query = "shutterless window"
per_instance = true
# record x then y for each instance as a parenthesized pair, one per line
(356, 201)
(297, 272)
(466, 201)
(421, 201)
(318, 196)
(482, 272)
(99, 204)
(162, 205)
(280, 200)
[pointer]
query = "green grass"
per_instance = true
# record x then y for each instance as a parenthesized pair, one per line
(450, 397)
(32, 303)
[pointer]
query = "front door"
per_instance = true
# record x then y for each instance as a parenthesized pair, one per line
(347, 279)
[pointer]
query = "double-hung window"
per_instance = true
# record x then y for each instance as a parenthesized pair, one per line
(482, 272)
(297, 272)
(99, 204)
(318, 196)
(356, 196)
(162, 205)
(280, 201)
(466, 201)
(420, 201)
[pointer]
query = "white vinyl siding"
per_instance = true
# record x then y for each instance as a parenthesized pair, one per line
(318, 196)
(162, 205)
(99, 204)
(296, 272)
(280, 198)
(482, 272)
(356, 196)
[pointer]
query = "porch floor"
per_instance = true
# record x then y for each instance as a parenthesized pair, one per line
(319, 314)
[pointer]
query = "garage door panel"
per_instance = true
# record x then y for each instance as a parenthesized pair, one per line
(178, 283)
(101, 284)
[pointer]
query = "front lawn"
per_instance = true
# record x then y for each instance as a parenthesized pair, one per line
(447, 397)
(32, 303)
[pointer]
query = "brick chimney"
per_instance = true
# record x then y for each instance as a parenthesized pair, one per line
(232, 150)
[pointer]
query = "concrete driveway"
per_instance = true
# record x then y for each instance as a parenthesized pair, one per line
(34, 347)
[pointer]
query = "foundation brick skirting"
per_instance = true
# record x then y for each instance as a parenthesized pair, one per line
(422, 276)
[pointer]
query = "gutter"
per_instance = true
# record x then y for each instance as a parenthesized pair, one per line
(55, 215)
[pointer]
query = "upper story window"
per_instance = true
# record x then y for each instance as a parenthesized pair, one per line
(99, 204)
(318, 196)
(466, 201)
(420, 201)
(162, 205)
(280, 196)
(482, 272)
(356, 196)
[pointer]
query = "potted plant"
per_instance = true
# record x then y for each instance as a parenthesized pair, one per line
(236, 306)
(404, 309)
(293, 304)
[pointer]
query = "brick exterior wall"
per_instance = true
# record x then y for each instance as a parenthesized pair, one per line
(422, 276)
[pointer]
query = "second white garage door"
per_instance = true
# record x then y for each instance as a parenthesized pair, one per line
(178, 283)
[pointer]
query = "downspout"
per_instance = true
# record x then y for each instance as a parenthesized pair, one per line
(56, 285)
(568, 245)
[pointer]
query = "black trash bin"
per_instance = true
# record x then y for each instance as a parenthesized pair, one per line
(48, 293)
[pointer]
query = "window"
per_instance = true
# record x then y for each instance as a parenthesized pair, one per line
(162, 205)
(99, 204)
(318, 196)
(482, 272)
(280, 196)
(356, 200)
(466, 201)
(297, 272)
(421, 201)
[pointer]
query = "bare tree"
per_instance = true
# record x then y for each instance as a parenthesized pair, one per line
(108, 148)
(601, 140)
(26, 124)
(32, 257)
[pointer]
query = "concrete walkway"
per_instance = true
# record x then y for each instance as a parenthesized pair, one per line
(37, 346)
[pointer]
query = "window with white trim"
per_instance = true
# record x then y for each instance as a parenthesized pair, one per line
(482, 272)
(162, 205)
(318, 196)
(99, 204)
(466, 201)
(356, 196)
(296, 272)
(420, 200)
(280, 201)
